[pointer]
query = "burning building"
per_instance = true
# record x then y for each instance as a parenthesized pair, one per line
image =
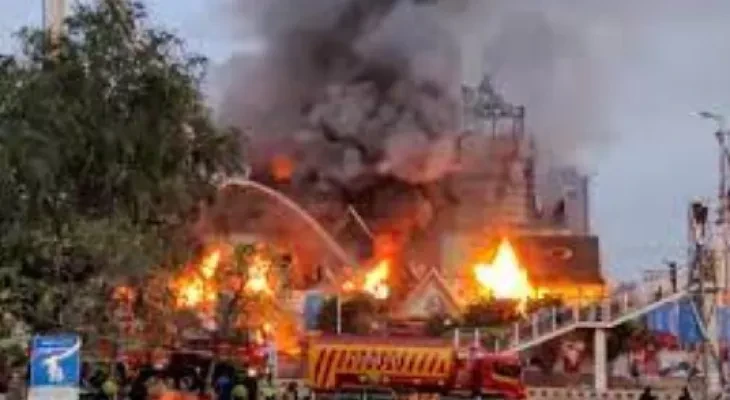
(547, 250)
(358, 115)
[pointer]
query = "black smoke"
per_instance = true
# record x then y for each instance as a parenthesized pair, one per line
(362, 97)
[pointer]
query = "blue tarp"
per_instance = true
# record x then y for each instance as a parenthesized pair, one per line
(680, 319)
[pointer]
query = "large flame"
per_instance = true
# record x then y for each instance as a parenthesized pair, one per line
(197, 288)
(504, 278)
(282, 168)
(210, 264)
(200, 284)
(376, 281)
(258, 276)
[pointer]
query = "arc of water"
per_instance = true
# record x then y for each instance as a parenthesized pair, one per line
(291, 205)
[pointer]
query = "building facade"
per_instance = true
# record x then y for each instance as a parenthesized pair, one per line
(564, 199)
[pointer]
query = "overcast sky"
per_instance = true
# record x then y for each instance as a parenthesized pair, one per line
(657, 157)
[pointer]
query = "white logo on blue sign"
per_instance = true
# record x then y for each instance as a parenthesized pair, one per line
(55, 361)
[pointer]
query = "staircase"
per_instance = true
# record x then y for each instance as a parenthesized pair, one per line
(547, 324)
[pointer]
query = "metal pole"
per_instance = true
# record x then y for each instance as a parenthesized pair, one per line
(600, 368)
(339, 315)
(711, 248)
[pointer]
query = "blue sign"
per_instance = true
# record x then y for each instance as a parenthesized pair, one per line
(55, 361)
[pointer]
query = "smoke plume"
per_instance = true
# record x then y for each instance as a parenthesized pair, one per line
(357, 102)
(351, 103)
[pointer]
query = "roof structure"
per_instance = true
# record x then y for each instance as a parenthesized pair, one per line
(431, 296)
(554, 259)
(551, 259)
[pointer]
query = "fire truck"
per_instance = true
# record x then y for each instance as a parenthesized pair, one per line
(338, 364)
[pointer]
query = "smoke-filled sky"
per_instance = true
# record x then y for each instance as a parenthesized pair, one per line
(608, 85)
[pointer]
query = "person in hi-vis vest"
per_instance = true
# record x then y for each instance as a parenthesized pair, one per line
(267, 390)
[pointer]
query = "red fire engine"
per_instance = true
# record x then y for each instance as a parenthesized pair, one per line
(421, 365)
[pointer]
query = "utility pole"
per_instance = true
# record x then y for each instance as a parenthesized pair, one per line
(709, 252)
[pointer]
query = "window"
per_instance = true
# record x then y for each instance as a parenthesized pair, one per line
(509, 370)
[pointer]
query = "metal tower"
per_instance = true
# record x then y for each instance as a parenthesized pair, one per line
(486, 113)
(707, 281)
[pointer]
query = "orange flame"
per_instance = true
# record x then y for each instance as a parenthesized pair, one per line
(376, 281)
(123, 294)
(257, 277)
(504, 278)
(191, 293)
(210, 264)
(282, 168)
(348, 286)
(198, 288)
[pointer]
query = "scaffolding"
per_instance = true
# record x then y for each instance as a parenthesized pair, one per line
(493, 131)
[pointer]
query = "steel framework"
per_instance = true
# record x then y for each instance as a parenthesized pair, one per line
(707, 279)
(486, 112)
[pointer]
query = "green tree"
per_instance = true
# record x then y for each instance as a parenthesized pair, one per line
(490, 312)
(106, 151)
(621, 337)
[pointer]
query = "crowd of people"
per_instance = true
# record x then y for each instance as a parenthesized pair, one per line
(177, 381)
(181, 381)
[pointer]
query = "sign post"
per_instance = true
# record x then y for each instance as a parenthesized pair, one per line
(55, 367)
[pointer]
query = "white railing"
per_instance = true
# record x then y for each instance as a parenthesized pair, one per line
(550, 323)
(619, 307)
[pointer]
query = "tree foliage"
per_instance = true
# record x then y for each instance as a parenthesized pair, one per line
(623, 336)
(106, 150)
(490, 312)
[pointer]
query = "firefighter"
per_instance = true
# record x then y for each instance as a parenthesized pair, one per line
(647, 394)
(304, 393)
(267, 388)
(292, 391)
(240, 391)
(110, 389)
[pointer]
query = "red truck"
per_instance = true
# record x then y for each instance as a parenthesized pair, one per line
(406, 364)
